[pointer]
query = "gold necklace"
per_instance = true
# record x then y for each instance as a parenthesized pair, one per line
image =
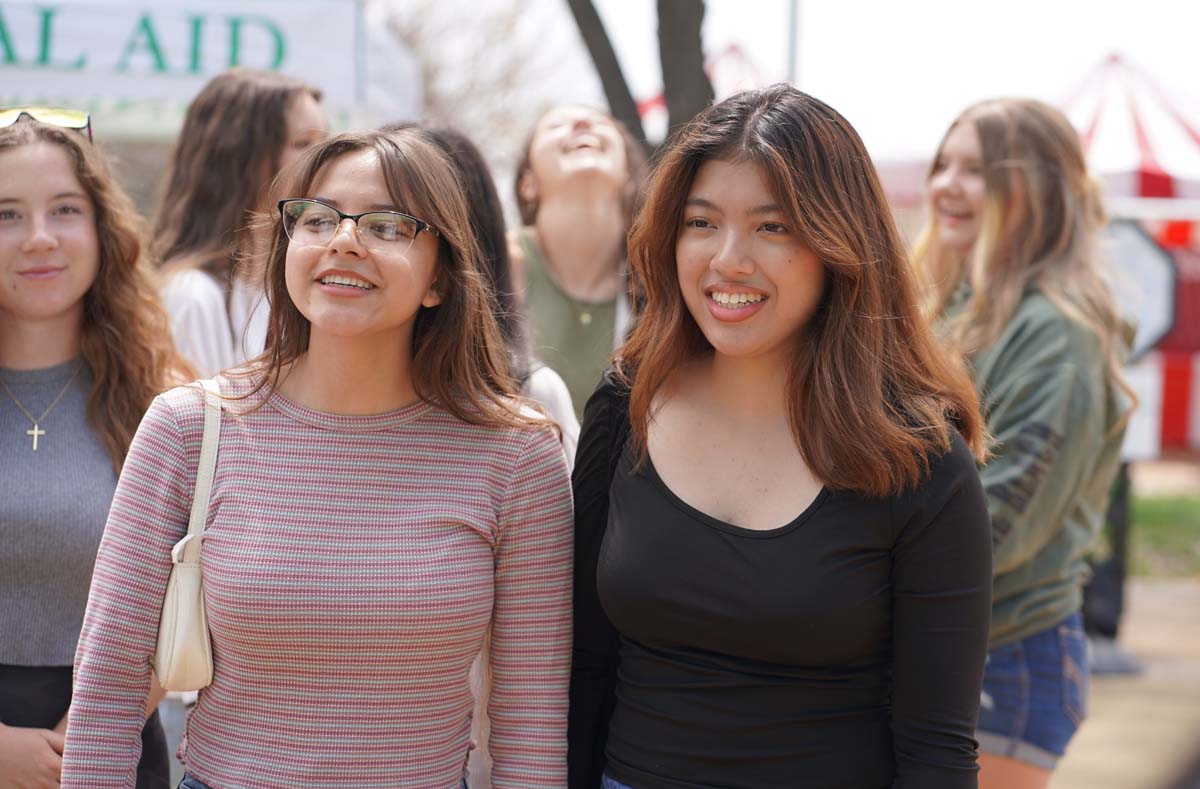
(37, 431)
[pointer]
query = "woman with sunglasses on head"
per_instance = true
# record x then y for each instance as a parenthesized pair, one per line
(84, 348)
(239, 131)
(782, 554)
(381, 502)
(576, 186)
(1011, 256)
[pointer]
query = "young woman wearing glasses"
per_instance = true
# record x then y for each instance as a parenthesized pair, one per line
(783, 565)
(381, 502)
(84, 348)
(241, 129)
(1011, 256)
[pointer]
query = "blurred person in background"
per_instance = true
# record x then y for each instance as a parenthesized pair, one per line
(536, 380)
(782, 557)
(84, 348)
(577, 185)
(239, 131)
(1012, 263)
(382, 503)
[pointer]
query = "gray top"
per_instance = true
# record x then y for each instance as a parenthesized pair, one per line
(53, 506)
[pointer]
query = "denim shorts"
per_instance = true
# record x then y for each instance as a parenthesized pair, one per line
(1035, 695)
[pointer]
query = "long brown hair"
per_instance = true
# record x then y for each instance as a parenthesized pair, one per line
(226, 153)
(459, 358)
(126, 338)
(872, 398)
(1041, 227)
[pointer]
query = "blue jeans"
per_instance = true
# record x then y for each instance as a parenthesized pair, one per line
(612, 783)
(189, 782)
(1035, 695)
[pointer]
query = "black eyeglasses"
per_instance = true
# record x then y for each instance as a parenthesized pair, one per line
(79, 120)
(313, 223)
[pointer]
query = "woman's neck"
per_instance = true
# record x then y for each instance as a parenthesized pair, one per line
(582, 240)
(750, 389)
(352, 377)
(32, 345)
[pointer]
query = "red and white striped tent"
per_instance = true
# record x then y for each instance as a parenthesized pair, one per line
(1146, 150)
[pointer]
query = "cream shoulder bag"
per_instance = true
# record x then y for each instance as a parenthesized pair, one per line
(183, 659)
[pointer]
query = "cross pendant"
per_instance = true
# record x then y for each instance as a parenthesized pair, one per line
(35, 433)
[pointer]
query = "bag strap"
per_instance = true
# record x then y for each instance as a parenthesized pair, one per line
(205, 471)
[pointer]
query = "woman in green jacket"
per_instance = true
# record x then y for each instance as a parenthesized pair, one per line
(1011, 259)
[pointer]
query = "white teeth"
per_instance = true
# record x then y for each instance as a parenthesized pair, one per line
(735, 299)
(337, 279)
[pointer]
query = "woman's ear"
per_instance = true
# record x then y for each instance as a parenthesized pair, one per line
(431, 298)
(527, 186)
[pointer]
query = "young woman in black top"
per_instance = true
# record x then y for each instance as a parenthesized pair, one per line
(783, 564)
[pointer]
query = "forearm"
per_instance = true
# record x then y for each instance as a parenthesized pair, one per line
(153, 698)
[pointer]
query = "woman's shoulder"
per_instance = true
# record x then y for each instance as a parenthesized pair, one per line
(1040, 327)
(952, 473)
(947, 467)
(185, 402)
(549, 390)
(190, 287)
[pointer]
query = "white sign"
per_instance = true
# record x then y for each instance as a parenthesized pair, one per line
(1145, 290)
(93, 53)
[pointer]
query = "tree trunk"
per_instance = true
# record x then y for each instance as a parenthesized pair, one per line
(612, 79)
(686, 86)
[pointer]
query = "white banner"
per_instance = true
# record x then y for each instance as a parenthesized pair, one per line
(145, 60)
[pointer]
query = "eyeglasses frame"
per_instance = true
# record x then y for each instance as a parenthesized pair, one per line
(343, 216)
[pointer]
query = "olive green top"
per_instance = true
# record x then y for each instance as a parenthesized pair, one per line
(1052, 413)
(574, 338)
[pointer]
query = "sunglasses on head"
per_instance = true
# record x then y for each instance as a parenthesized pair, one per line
(79, 120)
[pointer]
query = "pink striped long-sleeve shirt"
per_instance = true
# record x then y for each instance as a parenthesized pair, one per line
(352, 565)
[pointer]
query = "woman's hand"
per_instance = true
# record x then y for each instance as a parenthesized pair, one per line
(29, 758)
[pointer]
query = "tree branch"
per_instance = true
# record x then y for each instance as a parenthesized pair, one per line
(612, 79)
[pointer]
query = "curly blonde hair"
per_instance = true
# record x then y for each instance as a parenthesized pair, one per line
(126, 338)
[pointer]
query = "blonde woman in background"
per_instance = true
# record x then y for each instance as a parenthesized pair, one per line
(1011, 259)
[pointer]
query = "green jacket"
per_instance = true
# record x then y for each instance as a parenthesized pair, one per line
(1053, 417)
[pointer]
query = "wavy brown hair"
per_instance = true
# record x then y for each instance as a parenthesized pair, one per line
(226, 154)
(126, 339)
(459, 358)
(1041, 227)
(872, 397)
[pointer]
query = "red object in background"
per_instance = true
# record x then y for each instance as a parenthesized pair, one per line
(1176, 234)
(1180, 351)
(1177, 395)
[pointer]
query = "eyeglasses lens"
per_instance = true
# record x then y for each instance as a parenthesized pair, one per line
(310, 223)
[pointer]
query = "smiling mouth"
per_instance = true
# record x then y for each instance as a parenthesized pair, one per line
(953, 213)
(346, 282)
(735, 301)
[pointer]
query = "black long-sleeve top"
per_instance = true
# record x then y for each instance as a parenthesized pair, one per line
(844, 649)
